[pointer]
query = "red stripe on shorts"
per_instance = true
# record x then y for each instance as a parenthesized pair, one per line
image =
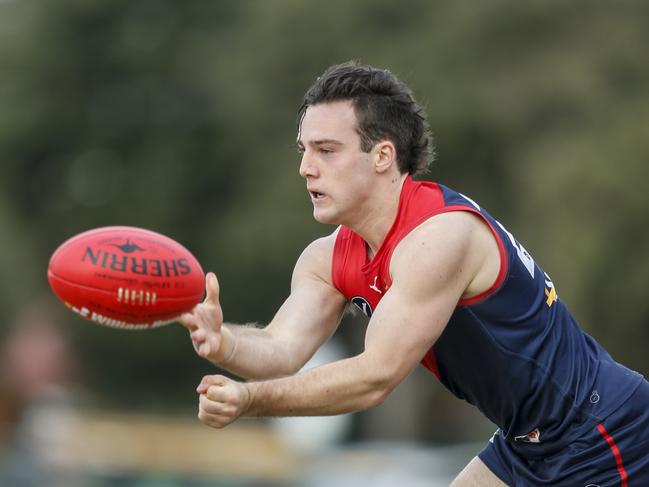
(616, 453)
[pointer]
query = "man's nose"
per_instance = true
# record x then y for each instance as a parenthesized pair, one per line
(307, 168)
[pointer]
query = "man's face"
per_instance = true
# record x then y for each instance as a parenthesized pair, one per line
(338, 173)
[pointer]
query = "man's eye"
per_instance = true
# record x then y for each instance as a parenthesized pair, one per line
(326, 151)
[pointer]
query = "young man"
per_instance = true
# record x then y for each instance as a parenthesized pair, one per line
(445, 285)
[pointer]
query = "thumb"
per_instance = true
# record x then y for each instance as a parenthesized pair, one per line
(212, 288)
(210, 380)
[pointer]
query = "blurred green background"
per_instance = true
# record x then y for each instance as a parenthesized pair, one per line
(180, 117)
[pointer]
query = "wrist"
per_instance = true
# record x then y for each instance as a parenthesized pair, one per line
(247, 409)
(226, 350)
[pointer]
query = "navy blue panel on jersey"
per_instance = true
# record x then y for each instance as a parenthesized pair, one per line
(520, 357)
(611, 453)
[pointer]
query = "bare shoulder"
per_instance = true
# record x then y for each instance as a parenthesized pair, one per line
(316, 258)
(455, 246)
(451, 233)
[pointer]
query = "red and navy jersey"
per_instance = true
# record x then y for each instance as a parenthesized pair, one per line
(514, 351)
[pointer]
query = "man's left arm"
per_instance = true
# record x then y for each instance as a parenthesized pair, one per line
(431, 270)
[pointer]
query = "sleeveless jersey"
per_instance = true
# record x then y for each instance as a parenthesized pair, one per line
(514, 351)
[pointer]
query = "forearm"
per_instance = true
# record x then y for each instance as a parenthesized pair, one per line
(251, 352)
(340, 387)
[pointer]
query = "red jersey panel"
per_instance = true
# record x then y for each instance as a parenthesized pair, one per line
(364, 281)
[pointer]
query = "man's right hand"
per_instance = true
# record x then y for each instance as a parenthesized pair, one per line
(210, 340)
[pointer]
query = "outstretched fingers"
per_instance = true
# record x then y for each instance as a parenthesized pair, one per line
(188, 320)
(212, 289)
(201, 312)
(200, 342)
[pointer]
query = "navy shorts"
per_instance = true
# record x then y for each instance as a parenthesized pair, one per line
(613, 452)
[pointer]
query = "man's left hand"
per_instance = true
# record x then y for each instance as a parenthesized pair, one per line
(222, 400)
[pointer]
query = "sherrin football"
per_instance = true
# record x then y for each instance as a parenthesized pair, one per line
(126, 277)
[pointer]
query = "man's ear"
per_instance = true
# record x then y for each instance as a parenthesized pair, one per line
(385, 155)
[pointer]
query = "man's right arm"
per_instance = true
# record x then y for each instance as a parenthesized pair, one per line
(307, 318)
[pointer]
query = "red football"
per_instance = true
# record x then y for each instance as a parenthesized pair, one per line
(126, 277)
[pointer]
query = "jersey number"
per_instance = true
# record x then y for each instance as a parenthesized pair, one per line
(523, 254)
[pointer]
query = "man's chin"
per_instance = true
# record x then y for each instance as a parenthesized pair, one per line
(324, 217)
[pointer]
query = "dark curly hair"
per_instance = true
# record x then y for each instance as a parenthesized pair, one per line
(385, 109)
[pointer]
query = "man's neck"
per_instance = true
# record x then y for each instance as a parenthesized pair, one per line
(380, 215)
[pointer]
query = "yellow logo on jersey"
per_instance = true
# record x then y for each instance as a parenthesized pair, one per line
(552, 296)
(551, 293)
